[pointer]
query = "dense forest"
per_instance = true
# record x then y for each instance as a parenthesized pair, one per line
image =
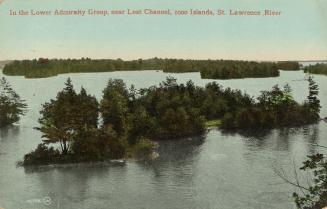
(244, 69)
(276, 108)
(12, 107)
(131, 120)
(319, 68)
(213, 69)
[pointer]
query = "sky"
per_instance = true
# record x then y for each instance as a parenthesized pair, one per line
(299, 33)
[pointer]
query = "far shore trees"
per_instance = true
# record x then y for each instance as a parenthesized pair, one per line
(319, 68)
(12, 107)
(209, 69)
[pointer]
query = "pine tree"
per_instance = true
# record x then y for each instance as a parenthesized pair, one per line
(313, 100)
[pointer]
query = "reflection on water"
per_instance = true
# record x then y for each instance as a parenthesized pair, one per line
(9, 132)
(177, 156)
(218, 170)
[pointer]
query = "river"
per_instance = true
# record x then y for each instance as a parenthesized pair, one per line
(216, 171)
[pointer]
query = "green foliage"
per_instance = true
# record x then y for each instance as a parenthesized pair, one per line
(239, 69)
(131, 118)
(96, 145)
(12, 107)
(142, 149)
(156, 112)
(110, 144)
(46, 68)
(72, 121)
(288, 65)
(213, 123)
(213, 69)
(313, 100)
(70, 112)
(316, 195)
(114, 106)
(141, 124)
(85, 145)
(224, 69)
(318, 68)
(275, 108)
(42, 155)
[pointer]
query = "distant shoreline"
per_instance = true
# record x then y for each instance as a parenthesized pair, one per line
(209, 69)
(291, 60)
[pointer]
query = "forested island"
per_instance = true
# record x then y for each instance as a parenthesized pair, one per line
(210, 69)
(132, 120)
(319, 68)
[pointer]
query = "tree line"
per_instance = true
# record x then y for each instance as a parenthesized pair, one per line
(245, 69)
(276, 108)
(318, 68)
(213, 69)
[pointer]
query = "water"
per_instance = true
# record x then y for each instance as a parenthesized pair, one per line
(218, 170)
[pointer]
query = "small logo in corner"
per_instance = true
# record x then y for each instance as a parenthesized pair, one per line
(47, 201)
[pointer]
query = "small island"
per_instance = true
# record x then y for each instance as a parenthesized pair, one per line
(209, 69)
(319, 68)
(127, 122)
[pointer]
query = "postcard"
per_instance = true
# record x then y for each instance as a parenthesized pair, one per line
(161, 104)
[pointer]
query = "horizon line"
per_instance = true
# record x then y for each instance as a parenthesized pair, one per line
(253, 60)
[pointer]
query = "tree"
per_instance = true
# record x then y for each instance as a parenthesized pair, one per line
(64, 117)
(12, 107)
(88, 110)
(315, 196)
(114, 106)
(313, 101)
